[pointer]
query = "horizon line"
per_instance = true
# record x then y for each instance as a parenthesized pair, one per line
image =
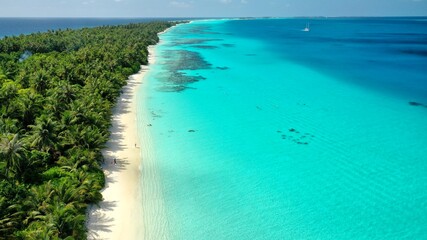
(219, 17)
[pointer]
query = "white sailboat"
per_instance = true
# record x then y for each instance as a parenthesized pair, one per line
(307, 28)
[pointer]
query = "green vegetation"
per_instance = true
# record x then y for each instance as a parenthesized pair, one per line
(57, 90)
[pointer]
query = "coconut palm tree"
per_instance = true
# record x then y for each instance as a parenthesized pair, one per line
(8, 125)
(39, 230)
(8, 93)
(43, 134)
(29, 104)
(89, 188)
(8, 220)
(12, 152)
(38, 80)
(66, 219)
(63, 93)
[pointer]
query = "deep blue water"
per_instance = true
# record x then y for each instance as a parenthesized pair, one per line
(263, 131)
(388, 54)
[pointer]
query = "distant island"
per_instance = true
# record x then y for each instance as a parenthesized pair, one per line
(57, 91)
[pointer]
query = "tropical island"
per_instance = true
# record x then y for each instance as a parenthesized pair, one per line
(57, 92)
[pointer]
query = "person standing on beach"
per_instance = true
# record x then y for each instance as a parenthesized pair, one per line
(115, 162)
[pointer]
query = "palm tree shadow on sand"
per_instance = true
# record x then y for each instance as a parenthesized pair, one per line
(99, 221)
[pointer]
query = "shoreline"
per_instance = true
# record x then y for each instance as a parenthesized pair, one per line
(115, 216)
(119, 215)
(131, 196)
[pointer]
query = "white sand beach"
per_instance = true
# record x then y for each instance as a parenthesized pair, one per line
(133, 204)
(119, 214)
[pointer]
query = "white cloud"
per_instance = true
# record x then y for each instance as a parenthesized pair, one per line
(180, 4)
(244, 1)
(118, 0)
(225, 1)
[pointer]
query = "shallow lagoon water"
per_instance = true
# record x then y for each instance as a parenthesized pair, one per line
(256, 137)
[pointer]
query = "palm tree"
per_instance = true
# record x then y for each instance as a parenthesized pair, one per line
(12, 151)
(92, 138)
(43, 134)
(30, 104)
(66, 219)
(8, 125)
(8, 220)
(39, 80)
(8, 93)
(67, 192)
(68, 118)
(38, 200)
(66, 212)
(39, 230)
(63, 93)
(89, 188)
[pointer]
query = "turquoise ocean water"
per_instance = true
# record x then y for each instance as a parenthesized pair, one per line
(263, 131)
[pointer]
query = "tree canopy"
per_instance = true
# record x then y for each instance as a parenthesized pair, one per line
(57, 90)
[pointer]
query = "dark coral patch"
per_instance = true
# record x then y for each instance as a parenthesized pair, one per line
(421, 53)
(222, 68)
(185, 60)
(417, 104)
(192, 41)
(174, 79)
(228, 45)
(205, 46)
(294, 136)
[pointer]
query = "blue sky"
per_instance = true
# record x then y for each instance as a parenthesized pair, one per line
(210, 8)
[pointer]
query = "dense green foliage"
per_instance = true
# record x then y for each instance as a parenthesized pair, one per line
(57, 90)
